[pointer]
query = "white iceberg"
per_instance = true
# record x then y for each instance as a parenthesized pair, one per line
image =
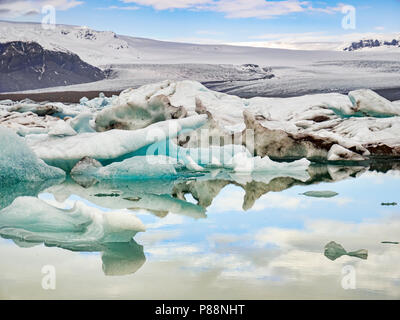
(111, 145)
(135, 168)
(370, 103)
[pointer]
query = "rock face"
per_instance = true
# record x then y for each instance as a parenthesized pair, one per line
(370, 43)
(27, 65)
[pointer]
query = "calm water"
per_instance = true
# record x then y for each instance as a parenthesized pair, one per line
(219, 237)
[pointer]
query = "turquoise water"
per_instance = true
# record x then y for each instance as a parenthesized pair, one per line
(220, 238)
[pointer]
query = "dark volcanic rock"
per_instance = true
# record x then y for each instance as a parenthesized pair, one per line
(371, 44)
(27, 65)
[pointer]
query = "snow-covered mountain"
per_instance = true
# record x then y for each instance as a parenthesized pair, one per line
(26, 65)
(241, 70)
(373, 43)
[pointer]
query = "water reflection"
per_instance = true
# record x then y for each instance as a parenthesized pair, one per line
(196, 227)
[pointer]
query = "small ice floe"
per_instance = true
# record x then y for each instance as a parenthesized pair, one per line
(389, 204)
(334, 251)
(320, 194)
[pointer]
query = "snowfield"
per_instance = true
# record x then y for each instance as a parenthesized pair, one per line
(133, 62)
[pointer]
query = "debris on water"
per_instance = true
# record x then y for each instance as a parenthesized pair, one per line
(320, 194)
(389, 204)
(106, 195)
(334, 251)
(390, 242)
(133, 198)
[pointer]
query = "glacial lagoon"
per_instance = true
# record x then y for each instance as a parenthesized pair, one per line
(216, 236)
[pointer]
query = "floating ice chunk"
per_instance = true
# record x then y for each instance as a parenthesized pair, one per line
(35, 220)
(110, 145)
(86, 166)
(97, 103)
(339, 153)
(19, 163)
(320, 194)
(334, 251)
(61, 128)
(27, 123)
(371, 103)
(132, 111)
(39, 109)
(82, 122)
(136, 168)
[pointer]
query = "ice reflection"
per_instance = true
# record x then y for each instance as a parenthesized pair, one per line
(197, 230)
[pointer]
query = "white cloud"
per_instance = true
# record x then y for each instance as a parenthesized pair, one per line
(17, 8)
(310, 40)
(239, 8)
(170, 4)
(128, 8)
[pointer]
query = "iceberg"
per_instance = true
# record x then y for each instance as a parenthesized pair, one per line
(370, 103)
(18, 162)
(334, 251)
(135, 168)
(82, 122)
(110, 146)
(131, 111)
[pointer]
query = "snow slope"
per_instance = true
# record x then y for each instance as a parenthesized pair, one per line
(136, 61)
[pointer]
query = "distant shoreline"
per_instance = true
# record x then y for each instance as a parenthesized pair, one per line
(391, 94)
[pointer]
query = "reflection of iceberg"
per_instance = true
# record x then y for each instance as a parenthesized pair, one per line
(121, 258)
(9, 191)
(334, 251)
(152, 195)
(30, 221)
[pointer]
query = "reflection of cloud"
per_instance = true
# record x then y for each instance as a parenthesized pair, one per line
(170, 220)
(233, 200)
(293, 267)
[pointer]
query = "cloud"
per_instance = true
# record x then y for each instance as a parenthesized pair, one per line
(19, 8)
(261, 9)
(171, 4)
(310, 40)
(128, 8)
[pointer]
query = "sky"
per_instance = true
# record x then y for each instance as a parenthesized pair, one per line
(255, 22)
